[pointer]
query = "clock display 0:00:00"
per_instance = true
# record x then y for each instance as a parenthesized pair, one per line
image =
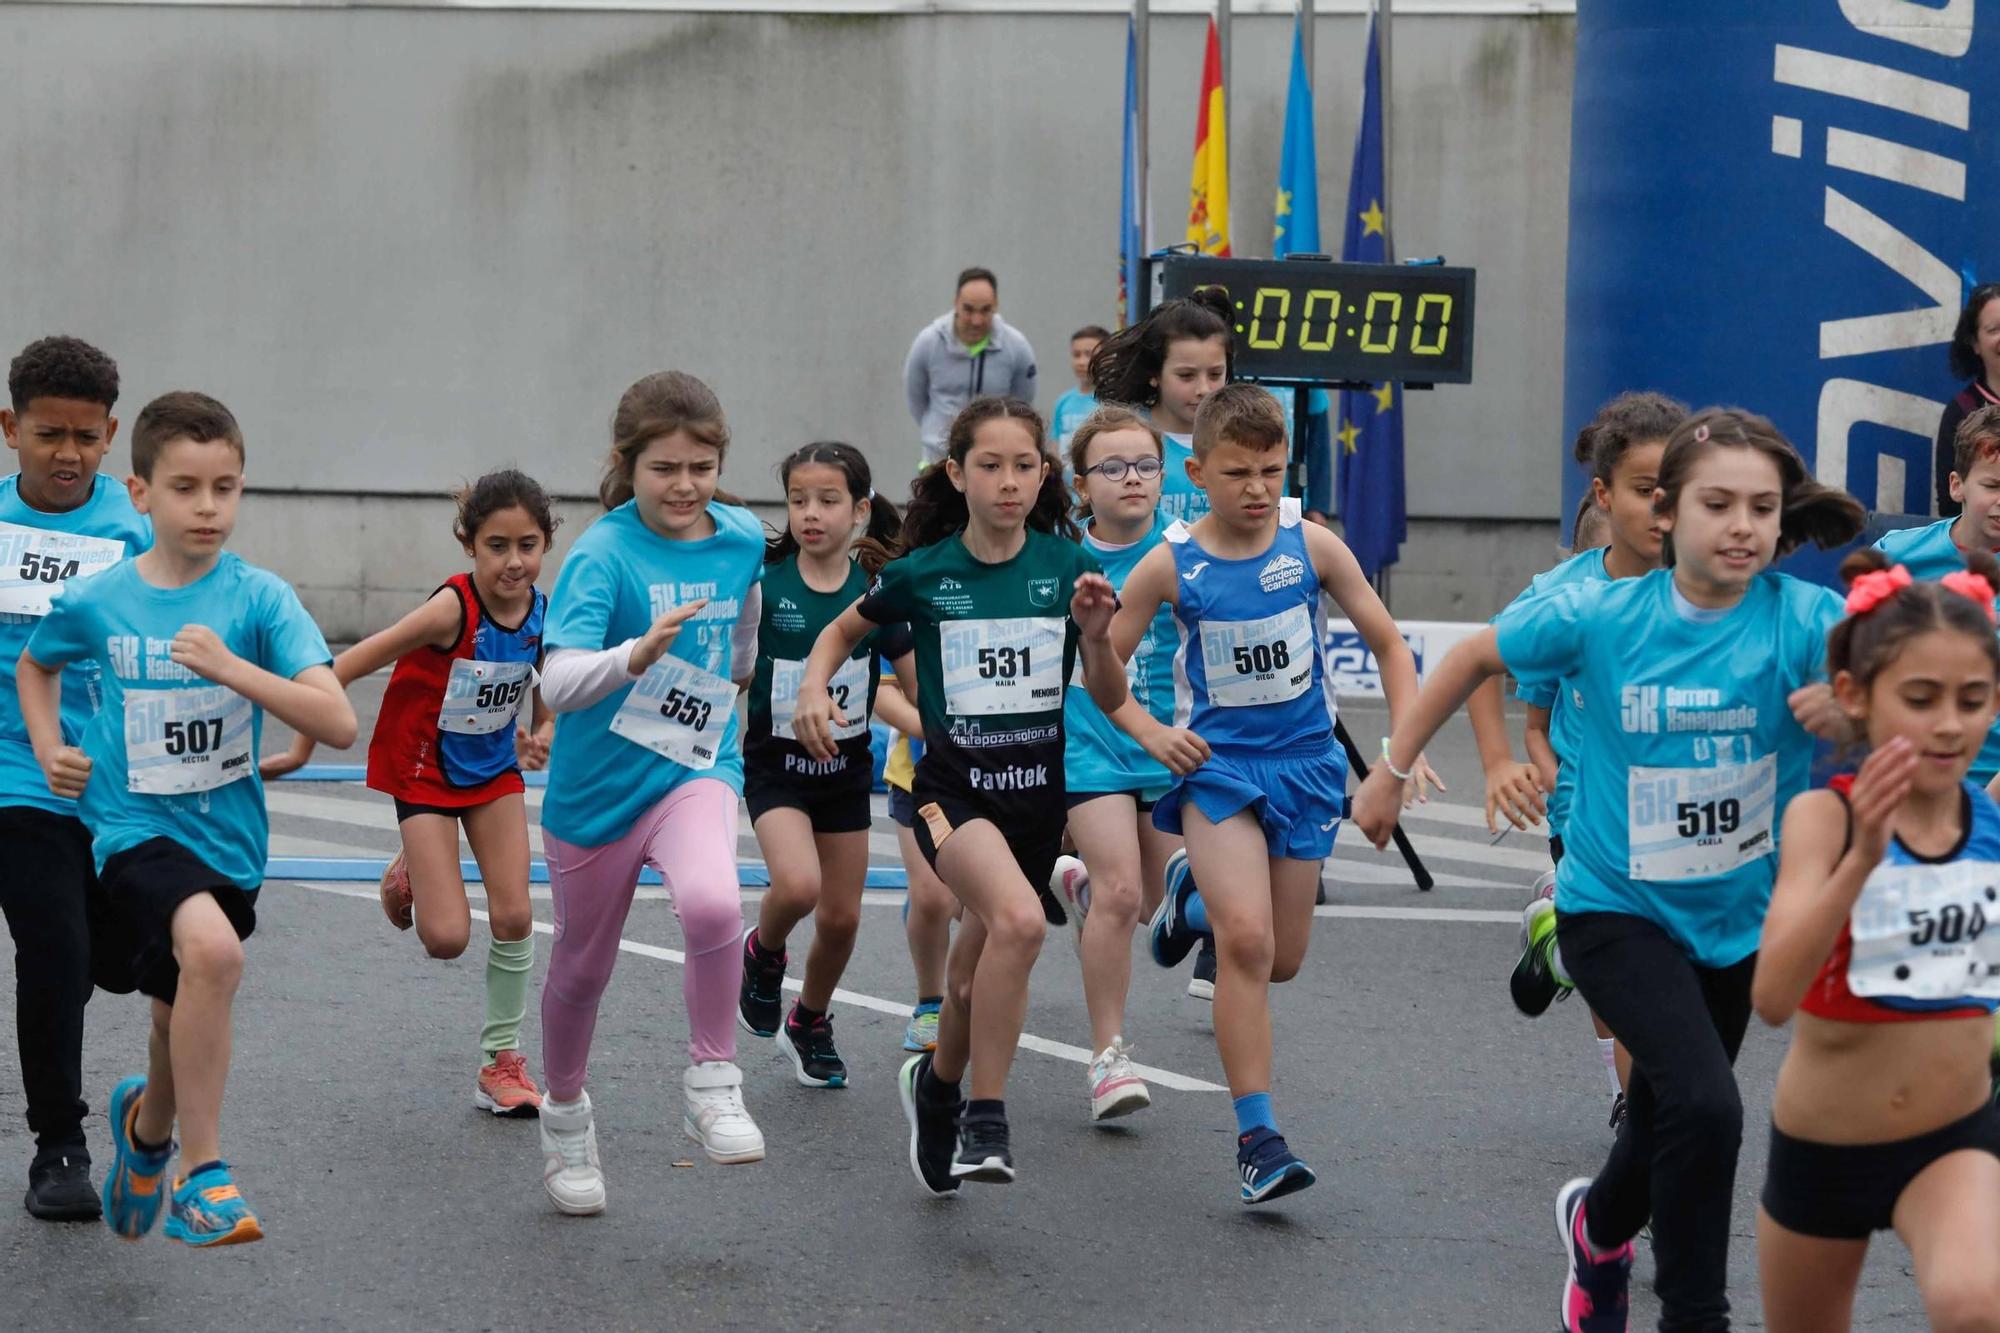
(1381, 329)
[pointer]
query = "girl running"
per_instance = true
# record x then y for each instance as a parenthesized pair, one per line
(1685, 751)
(985, 586)
(1166, 364)
(1877, 938)
(651, 630)
(1113, 780)
(812, 816)
(449, 750)
(1622, 446)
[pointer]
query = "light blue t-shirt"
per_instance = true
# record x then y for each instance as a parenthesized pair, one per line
(1686, 748)
(1098, 756)
(1557, 698)
(1930, 553)
(1070, 411)
(171, 721)
(1180, 498)
(37, 551)
(618, 578)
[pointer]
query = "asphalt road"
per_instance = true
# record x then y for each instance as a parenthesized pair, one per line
(1441, 1123)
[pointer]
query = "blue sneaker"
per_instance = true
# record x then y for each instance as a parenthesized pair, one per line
(1268, 1168)
(921, 1034)
(208, 1210)
(1170, 937)
(132, 1187)
(1595, 1291)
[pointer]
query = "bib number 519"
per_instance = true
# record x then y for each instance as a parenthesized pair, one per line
(1706, 819)
(197, 737)
(680, 706)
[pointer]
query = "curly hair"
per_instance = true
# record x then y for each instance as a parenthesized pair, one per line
(62, 367)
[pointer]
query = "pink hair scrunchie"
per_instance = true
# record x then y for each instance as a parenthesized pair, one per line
(1876, 587)
(1968, 584)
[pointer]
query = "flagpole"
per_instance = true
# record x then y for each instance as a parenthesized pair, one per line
(1142, 33)
(1388, 171)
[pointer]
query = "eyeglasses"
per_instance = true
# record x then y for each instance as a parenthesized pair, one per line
(1114, 468)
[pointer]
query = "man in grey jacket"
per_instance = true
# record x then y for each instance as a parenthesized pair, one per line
(962, 355)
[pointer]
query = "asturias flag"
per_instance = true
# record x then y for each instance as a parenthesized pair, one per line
(1131, 214)
(1208, 186)
(1295, 227)
(1372, 510)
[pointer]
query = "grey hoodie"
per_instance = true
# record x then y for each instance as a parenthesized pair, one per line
(939, 378)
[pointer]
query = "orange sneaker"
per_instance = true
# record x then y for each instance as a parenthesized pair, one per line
(505, 1089)
(398, 900)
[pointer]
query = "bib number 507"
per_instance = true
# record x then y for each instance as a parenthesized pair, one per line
(680, 706)
(202, 736)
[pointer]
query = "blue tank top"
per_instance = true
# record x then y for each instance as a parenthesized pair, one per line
(1250, 668)
(470, 758)
(1098, 756)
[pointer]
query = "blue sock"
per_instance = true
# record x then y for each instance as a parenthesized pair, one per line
(1195, 914)
(1253, 1111)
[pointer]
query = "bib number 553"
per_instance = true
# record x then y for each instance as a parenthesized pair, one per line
(679, 706)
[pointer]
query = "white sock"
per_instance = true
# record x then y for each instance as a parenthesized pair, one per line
(1608, 1048)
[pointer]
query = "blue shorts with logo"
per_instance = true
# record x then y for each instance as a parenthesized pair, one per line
(1297, 795)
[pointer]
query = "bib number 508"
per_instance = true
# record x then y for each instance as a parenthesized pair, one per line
(198, 737)
(680, 706)
(1263, 658)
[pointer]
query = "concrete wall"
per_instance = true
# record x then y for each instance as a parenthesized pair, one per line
(407, 245)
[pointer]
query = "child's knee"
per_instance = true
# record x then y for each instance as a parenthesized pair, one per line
(209, 955)
(1966, 1300)
(711, 916)
(1017, 929)
(837, 923)
(511, 923)
(1248, 950)
(446, 940)
(1116, 898)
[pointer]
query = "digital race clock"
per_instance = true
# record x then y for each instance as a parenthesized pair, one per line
(1315, 321)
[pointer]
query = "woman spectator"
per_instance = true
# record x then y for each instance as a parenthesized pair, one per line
(1975, 357)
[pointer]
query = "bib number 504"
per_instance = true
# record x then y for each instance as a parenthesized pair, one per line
(46, 568)
(1947, 925)
(197, 737)
(680, 706)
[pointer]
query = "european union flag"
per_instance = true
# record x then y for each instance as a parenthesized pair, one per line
(1372, 509)
(1295, 227)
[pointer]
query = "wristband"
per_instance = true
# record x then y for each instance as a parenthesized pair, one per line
(1389, 764)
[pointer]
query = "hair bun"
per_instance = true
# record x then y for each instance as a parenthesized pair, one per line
(1866, 560)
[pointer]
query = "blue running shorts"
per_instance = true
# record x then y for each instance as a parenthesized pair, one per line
(1298, 796)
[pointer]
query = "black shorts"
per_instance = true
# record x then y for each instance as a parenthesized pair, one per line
(410, 809)
(841, 809)
(1034, 837)
(1071, 800)
(1849, 1191)
(143, 887)
(902, 807)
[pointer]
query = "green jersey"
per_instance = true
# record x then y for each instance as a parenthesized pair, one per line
(994, 645)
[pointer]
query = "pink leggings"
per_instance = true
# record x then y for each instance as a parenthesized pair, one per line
(690, 838)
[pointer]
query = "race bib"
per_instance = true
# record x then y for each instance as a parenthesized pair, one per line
(183, 741)
(678, 711)
(481, 698)
(1266, 661)
(848, 689)
(35, 564)
(1927, 932)
(1002, 666)
(1688, 823)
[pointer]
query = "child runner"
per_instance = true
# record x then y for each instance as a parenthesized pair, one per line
(58, 520)
(928, 906)
(1167, 364)
(985, 586)
(1078, 403)
(1685, 751)
(650, 629)
(1113, 780)
(191, 646)
(1245, 585)
(1878, 938)
(811, 816)
(1622, 447)
(448, 749)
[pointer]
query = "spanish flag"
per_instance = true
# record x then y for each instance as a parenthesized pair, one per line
(1208, 187)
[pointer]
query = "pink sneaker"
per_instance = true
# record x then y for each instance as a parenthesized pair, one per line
(1595, 1298)
(1115, 1087)
(504, 1087)
(398, 900)
(1070, 883)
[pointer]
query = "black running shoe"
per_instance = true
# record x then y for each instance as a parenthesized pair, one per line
(815, 1061)
(983, 1154)
(760, 1001)
(59, 1188)
(1617, 1112)
(1202, 984)
(933, 1127)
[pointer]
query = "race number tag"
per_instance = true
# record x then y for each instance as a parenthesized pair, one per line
(481, 698)
(848, 689)
(1002, 666)
(1927, 932)
(35, 564)
(1688, 823)
(183, 741)
(678, 711)
(1266, 661)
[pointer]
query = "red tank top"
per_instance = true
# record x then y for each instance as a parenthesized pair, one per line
(1829, 997)
(405, 758)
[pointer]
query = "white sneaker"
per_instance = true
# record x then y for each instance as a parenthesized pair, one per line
(716, 1117)
(1115, 1087)
(570, 1170)
(1070, 883)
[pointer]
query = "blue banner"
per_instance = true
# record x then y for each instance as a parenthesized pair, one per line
(1781, 207)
